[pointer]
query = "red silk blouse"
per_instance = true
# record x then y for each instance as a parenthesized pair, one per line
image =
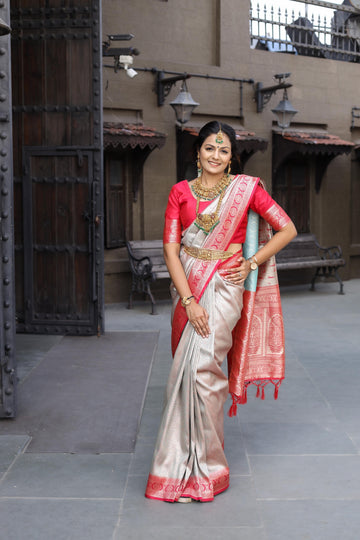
(181, 212)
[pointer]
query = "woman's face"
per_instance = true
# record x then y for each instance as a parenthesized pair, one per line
(215, 157)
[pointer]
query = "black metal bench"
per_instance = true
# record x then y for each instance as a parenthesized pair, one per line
(305, 252)
(147, 264)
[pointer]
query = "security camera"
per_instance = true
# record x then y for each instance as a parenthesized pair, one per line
(127, 60)
(131, 72)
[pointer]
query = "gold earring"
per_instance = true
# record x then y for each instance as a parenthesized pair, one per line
(229, 168)
(198, 164)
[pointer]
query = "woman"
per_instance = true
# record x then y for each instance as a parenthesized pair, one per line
(206, 223)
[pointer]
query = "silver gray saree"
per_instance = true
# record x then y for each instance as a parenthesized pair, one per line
(189, 459)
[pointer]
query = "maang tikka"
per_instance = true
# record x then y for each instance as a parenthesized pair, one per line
(219, 136)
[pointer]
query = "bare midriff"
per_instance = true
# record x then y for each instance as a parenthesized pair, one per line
(234, 248)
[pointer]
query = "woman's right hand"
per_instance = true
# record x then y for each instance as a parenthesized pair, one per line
(198, 318)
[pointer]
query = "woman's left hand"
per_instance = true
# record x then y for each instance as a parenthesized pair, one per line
(238, 274)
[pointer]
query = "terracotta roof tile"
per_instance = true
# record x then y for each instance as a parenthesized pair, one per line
(304, 137)
(132, 135)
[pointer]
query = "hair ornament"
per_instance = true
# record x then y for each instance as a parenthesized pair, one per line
(219, 136)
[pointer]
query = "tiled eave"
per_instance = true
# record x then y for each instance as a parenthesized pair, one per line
(323, 146)
(131, 136)
(318, 143)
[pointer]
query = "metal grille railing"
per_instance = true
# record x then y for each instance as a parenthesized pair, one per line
(335, 37)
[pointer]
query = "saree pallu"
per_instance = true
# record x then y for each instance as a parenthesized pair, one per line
(189, 459)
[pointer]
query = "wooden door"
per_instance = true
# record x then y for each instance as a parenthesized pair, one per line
(291, 190)
(116, 207)
(56, 56)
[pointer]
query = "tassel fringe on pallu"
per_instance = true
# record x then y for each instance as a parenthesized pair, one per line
(260, 391)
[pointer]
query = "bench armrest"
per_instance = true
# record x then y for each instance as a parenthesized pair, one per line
(331, 252)
(141, 267)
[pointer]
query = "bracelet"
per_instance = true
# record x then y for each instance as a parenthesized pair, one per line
(185, 301)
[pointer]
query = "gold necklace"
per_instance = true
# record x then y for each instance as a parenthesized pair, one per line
(208, 222)
(210, 193)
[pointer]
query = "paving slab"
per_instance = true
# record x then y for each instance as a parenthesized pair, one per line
(44, 519)
(336, 375)
(299, 401)
(201, 532)
(149, 426)
(300, 438)
(311, 520)
(306, 477)
(10, 447)
(86, 396)
(348, 416)
(67, 475)
(30, 351)
(154, 398)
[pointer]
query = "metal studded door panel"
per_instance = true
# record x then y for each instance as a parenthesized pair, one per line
(58, 165)
(7, 289)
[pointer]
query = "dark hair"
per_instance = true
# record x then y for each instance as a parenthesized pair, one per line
(214, 127)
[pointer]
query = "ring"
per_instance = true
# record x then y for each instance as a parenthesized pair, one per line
(239, 274)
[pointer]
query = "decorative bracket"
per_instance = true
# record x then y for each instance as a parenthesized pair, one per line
(163, 86)
(354, 114)
(263, 95)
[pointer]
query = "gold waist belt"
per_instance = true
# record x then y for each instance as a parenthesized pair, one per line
(208, 254)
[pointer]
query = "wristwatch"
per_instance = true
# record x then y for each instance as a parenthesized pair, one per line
(185, 301)
(253, 263)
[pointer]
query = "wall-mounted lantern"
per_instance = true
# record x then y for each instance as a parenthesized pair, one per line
(183, 104)
(284, 111)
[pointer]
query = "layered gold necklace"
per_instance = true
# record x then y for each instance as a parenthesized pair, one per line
(207, 222)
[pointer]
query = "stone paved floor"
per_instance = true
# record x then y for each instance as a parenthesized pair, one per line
(294, 463)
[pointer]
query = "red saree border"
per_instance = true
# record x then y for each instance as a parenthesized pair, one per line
(200, 489)
(232, 214)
